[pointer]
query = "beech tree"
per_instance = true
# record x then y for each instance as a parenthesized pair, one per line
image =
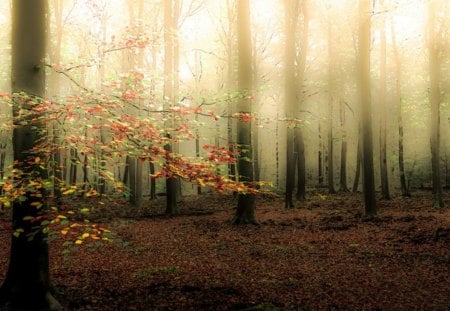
(27, 283)
(365, 12)
(435, 102)
(245, 212)
(171, 182)
(291, 16)
(383, 114)
(331, 99)
(398, 70)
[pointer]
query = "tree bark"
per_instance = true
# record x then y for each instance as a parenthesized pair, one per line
(290, 94)
(343, 171)
(27, 283)
(299, 139)
(401, 166)
(385, 193)
(331, 90)
(358, 165)
(171, 183)
(245, 212)
(370, 203)
(435, 102)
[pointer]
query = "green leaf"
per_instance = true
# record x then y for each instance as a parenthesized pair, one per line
(84, 210)
(45, 222)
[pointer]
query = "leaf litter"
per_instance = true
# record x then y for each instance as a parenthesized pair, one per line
(318, 256)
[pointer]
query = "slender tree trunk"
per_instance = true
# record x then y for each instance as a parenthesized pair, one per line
(370, 203)
(27, 283)
(171, 183)
(197, 151)
(291, 17)
(343, 172)
(133, 163)
(320, 157)
(255, 124)
(435, 102)
(54, 88)
(358, 166)
(403, 185)
(299, 139)
(232, 172)
(245, 212)
(383, 115)
(151, 169)
(331, 90)
(301, 165)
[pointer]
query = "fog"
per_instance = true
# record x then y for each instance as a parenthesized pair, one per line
(106, 46)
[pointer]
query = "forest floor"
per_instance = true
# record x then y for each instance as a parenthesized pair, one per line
(319, 256)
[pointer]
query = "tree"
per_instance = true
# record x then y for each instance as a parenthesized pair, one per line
(135, 165)
(383, 115)
(27, 283)
(299, 140)
(401, 163)
(331, 90)
(245, 212)
(171, 182)
(343, 167)
(290, 94)
(435, 102)
(370, 203)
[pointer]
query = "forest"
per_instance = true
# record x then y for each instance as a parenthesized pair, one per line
(224, 155)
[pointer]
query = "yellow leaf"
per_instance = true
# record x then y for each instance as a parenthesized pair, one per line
(78, 242)
(38, 204)
(64, 231)
(61, 217)
(69, 191)
(85, 235)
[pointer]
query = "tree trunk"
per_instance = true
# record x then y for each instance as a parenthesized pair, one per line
(383, 115)
(27, 283)
(370, 203)
(301, 165)
(435, 102)
(291, 17)
(54, 89)
(401, 166)
(299, 140)
(358, 166)
(171, 183)
(343, 171)
(331, 83)
(245, 212)
(320, 157)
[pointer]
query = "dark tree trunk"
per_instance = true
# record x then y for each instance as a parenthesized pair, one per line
(151, 168)
(320, 158)
(245, 212)
(358, 167)
(290, 94)
(290, 167)
(343, 172)
(27, 283)
(299, 139)
(401, 166)
(385, 193)
(370, 203)
(331, 90)
(435, 102)
(171, 183)
(301, 165)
